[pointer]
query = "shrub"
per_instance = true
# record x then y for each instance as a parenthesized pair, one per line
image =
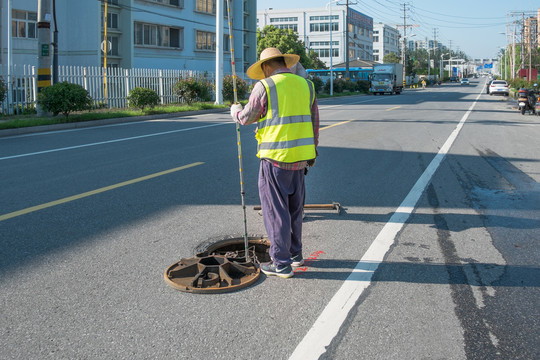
(319, 84)
(142, 97)
(362, 86)
(3, 90)
(29, 109)
(242, 88)
(193, 89)
(64, 98)
(349, 85)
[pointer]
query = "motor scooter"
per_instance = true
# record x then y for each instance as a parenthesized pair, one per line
(527, 99)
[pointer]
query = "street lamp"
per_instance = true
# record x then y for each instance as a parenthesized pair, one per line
(442, 64)
(429, 61)
(405, 57)
(504, 66)
(329, 5)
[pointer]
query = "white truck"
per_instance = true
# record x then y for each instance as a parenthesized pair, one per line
(386, 78)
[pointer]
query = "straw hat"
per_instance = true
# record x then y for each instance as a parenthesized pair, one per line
(255, 71)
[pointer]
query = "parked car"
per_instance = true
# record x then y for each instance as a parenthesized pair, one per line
(488, 85)
(453, 79)
(465, 81)
(499, 87)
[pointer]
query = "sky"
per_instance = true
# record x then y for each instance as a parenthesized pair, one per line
(472, 26)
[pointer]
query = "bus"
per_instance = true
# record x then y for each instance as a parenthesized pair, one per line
(355, 73)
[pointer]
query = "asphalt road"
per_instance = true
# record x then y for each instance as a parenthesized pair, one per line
(435, 256)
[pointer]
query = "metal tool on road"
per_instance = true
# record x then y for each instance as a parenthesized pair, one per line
(240, 167)
(332, 206)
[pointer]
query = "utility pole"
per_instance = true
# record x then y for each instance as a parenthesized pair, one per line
(219, 50)
(435, 46)
(55, 45)
(9, 58)
(44, 42)
(404, 44)
(105, 50)
(450, 70)
(346, 42)
(522, 40)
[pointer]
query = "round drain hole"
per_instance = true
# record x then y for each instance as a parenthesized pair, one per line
(219, 267)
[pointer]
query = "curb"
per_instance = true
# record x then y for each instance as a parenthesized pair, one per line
(93, 123)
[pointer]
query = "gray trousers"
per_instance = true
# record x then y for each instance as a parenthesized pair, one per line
(282, 201)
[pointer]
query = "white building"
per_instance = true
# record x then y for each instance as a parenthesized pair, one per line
(313, 28)
(385, 41)
(164, 34)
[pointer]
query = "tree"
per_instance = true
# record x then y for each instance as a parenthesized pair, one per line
(317, 63)
(288, 43)
(391, 58)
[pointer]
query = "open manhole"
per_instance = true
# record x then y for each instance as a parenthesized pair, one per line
(220, 266)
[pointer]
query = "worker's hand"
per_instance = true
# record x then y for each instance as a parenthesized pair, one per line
(311, 163)
(235, 109)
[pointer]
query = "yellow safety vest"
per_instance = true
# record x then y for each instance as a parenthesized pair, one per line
(285, 134)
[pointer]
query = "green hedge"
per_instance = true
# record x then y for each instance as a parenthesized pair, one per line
(193, 89)
(242, 88)
(64, 98)
(142, 97)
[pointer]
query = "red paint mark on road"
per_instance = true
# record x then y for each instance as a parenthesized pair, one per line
(314, 256)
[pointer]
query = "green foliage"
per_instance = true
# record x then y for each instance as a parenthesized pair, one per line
(391, 58)
(288, 43)
(346, 85)
(192, 89)
(29, 109)
(319, 84)
(242, 88)
(64, 98)
(340, 85)
(519, 83)
(3, 90)
(316, 62)
(142, 97)
(362, 86)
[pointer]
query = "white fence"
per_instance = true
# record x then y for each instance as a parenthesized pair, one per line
(108, 87)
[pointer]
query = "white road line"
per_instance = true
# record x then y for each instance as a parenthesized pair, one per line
(180, 118)
(111, 141)
(328, 324)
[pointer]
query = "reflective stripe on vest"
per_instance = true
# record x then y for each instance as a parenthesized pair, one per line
(286, 132)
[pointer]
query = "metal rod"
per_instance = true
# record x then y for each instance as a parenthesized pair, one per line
(240, 167)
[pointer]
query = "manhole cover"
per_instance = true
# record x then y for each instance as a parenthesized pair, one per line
(219, 267)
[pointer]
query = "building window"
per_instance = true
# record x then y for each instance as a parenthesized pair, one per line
(323, 27)
(283, 19)
(323, 43)
(206, 6)
(325, 53)
(112, 20)
(113, 45)
(205, 40)
(112, 2)
(24, 24)
(158, 35)
(293, 27)
(179, 3)
(319, 18)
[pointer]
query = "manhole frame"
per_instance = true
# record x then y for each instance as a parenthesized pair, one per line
(202, 274)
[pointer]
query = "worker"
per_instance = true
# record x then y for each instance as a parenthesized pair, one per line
(285, 108)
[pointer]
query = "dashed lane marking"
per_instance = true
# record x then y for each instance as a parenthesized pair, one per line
(94, 192)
